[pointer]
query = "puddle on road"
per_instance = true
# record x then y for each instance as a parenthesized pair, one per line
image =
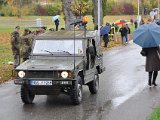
(120, 100)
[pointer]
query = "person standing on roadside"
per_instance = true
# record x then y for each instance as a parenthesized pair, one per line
(106, 37)
(57, 24)
(129, 32)
(15, 44)
(132, 21)
(135, 24)
(26, 44)
(124, 31)
(116, 32)
(152, 63)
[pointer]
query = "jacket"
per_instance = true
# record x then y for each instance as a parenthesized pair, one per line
(152, 59)
(124, 31)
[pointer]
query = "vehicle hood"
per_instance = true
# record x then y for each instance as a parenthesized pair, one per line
(50, 64)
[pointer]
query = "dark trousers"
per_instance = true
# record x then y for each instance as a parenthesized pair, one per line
(16, 57)
(124, 39)
(154, 74)
(56, 27)
(106, 40)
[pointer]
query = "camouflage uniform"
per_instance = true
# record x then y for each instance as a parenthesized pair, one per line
(15, 41)
(26, 45)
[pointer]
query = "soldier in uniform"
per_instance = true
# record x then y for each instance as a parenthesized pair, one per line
(15, 42)
(26, 44)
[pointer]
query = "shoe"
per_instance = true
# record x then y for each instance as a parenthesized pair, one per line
(149, 84)
(154, 84)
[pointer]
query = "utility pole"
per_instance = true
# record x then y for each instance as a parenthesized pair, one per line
(158, 9)
(99, 18)
(138, 15)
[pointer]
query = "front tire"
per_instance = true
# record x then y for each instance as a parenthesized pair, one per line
(94, 85)
(26, 96)
(76, 91)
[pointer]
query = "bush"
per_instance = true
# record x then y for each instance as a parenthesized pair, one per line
(128, 9)
(13, 10)
(25, 10)
(120, 8)
(2, 14)
(54, 9)
(32, 10)
(6, 10)
(50, 10)
(40, 10)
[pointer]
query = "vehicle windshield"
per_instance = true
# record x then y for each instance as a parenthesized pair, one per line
(58, 47)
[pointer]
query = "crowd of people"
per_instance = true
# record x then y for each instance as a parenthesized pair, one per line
(124, 30)
(114, 32)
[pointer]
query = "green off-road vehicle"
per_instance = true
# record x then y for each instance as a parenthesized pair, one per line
(61, 62)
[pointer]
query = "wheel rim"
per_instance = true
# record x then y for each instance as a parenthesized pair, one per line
(79, 92)
(96, 82)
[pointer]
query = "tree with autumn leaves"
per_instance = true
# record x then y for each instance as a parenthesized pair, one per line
(14, 8)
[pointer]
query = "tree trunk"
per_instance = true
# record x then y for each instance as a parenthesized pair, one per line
(95, 12)
(69, 16)
(142, 8)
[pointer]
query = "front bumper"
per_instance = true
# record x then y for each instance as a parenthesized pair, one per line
(54, 82)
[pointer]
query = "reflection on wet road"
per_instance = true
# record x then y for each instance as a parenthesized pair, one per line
(124, 77)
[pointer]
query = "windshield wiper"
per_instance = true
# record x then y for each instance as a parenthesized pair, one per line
(65, 52)
(47, 51)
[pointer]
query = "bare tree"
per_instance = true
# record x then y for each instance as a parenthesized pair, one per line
(69, 16)
(95, 12)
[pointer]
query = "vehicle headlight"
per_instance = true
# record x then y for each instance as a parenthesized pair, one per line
(64, 74)
(21, 74)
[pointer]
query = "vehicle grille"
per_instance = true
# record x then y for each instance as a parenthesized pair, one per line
(40, 74)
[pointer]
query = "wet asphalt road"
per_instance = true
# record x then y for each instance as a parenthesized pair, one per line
(124, 77)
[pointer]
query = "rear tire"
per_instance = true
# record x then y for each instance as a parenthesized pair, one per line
(94, 85)
(26, 96)
(76, 91)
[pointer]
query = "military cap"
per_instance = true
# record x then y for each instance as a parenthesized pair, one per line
(17, 27)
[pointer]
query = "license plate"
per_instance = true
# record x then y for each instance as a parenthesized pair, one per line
(34, 82)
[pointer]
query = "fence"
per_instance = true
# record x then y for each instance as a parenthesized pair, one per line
(23, 23)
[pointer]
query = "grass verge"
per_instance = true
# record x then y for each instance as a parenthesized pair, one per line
(5, 57)
(155, 115)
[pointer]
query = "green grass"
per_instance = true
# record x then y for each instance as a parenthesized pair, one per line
(5, 57)
(155, 115)
(14, 21)
(5, 54)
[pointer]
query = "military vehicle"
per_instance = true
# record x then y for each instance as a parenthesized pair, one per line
(61, 62)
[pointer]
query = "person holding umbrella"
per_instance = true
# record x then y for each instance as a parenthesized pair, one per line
(152, 63)
(147, 36)
(104, 32)
(56, 21)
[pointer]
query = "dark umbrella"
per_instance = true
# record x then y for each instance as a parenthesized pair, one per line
(105, 30)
